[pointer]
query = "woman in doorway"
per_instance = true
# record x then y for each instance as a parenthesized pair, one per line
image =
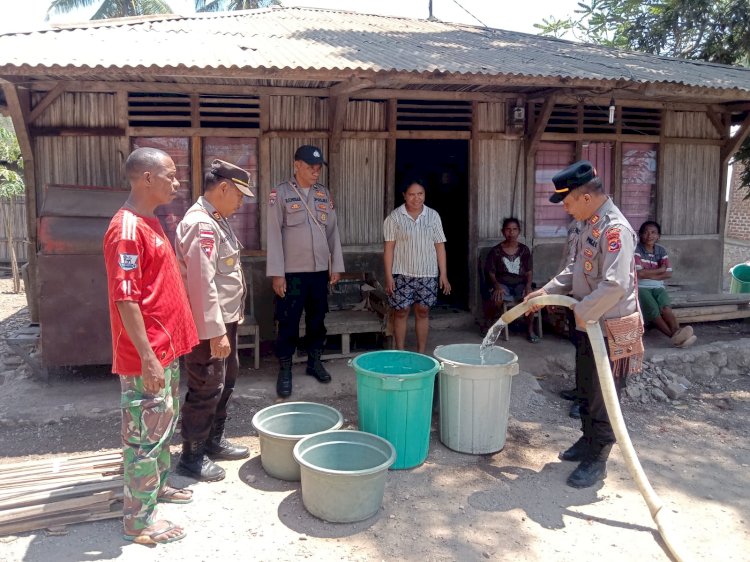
(509, 270)
(415, 263)
(653, 267)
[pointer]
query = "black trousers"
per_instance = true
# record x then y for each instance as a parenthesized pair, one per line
(308, 292)
(594, 419)
(210, 385)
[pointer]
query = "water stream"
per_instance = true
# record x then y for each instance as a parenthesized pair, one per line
(490, 338)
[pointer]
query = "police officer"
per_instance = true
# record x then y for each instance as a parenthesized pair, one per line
(304, 256)
(208, 252)
(601, 276)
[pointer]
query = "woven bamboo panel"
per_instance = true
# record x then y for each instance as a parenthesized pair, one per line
(17, 207)
(689, 124)
(365, 116)
(297, 113)
(491, 117)
(500, 179)
(76, 109)
(77, 161)
(690, 189)
(360, 198)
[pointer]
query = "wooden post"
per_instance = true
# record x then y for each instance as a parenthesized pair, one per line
(474, 164)
(196, 166)
(264, 164)
(19, 102)
(337, 118)
(390, 157)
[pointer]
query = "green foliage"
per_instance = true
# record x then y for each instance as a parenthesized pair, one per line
(11, 165)
(111, 8)
(231, 5)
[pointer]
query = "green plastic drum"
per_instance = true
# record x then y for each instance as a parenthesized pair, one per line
(394, 399)
(740, 278)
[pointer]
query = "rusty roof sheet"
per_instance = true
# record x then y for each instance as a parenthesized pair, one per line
(328, 40)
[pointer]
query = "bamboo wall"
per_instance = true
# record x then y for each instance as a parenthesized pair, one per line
(74, 109)
(500, 181)
(689, 191)
(688, 195)
(360, 199)
(295, 113)
(17, 207)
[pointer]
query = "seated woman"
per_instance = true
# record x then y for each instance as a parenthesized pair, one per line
(652, 266)
(508, 269)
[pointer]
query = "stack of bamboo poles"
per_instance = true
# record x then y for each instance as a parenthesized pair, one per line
(60, 491)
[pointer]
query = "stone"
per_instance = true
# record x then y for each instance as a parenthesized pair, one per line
(12, 361)
(727, 372)
(684, 382)
(657, 359)
(566, 363)
(675, 390)
(719, 358)
(634, 391)
(658, 395)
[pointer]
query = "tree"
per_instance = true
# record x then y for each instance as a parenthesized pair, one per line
(230, 5)
(11, 185)
(111, 8)
(709, 30)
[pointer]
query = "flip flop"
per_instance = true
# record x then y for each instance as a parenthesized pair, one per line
(167, 495)
(533, 338)
(149, 539)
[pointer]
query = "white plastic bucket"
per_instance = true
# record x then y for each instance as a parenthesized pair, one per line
(474, 398)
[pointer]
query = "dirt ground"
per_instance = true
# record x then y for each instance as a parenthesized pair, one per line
(512, 505)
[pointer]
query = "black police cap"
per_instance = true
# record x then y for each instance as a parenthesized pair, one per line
(575, 175)
(311, 155)
(228, 171)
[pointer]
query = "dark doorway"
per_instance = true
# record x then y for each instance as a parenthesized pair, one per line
(444, 166)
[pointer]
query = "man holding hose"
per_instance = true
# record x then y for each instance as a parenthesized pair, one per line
(601, 276)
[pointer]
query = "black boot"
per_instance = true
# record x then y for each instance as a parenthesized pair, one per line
(284, 381)
(195, 464)
(591, 470)
(315, 368)
(217, 447)
(578, 452)
(569, 394)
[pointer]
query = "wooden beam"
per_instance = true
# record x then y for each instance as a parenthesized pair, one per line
(395, 93)
(601, 137)
(349, 86)
(297, 134)
(77, 131)
(474, 164)
(535, 137)
(434, 135)
(733, 143)
(46, 101)
(717, 122)
(196, 167)
(191, 131)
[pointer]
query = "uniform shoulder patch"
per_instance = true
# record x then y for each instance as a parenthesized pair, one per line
(613, 240)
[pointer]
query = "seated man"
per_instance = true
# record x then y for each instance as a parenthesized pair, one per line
(508, 269)
(653, 267)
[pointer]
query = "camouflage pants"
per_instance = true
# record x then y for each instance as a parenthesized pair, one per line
(148, 423)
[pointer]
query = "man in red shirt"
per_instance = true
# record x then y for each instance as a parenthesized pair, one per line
(152, 326)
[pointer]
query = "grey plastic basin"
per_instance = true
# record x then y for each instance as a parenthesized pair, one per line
(282, 425)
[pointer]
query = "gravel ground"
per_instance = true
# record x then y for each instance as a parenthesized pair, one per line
(511, 505)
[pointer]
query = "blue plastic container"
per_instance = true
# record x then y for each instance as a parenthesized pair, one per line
(394, 400)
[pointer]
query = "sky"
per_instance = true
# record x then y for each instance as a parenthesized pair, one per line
(24, 15)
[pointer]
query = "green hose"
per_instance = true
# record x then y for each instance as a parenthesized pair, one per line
(594, 331)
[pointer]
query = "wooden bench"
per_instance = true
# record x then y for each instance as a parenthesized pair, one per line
(357, 305)
(701, 307)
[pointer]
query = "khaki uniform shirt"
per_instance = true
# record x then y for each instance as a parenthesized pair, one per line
(602, 273)
(294, 243)
(209, 256)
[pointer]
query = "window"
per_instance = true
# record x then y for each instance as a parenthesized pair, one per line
(179, 149)
(638, 183)
(242, 152)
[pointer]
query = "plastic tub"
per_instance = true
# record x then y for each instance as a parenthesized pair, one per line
(394, 400)
(474, 398)
(740, 278)
(282, 425)
(343, 474)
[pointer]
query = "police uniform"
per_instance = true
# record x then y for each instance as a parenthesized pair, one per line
(208, 252)
(299, 249)
(601, 275)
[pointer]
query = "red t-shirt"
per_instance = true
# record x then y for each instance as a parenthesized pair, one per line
(141, 267)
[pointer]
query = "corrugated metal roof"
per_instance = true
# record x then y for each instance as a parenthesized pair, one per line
(327, 40)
